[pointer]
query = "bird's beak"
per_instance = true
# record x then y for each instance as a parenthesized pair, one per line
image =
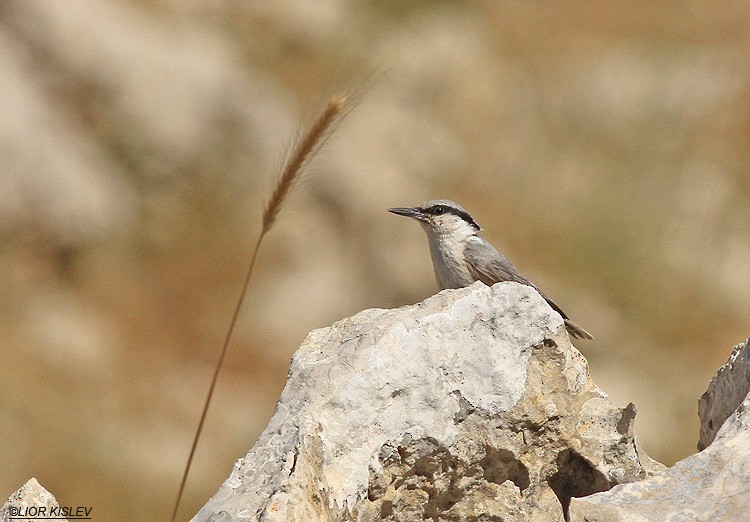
(415, 213)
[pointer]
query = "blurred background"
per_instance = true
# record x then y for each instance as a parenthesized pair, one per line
(604, 148)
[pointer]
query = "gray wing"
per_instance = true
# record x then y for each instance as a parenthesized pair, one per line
(490, 267)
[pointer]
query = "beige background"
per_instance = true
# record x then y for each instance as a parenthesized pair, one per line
(604, 149)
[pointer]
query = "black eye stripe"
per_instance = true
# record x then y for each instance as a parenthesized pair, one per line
(439, 210)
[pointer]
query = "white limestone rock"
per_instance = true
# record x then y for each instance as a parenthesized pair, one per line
(711, 485)
(472, 404)
(30, 500)
(725, 393)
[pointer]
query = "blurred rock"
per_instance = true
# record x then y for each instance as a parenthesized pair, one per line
(162, 92)
(712, 485)
(470, 404)
(30, 495)
(56, 178)
(725, 394)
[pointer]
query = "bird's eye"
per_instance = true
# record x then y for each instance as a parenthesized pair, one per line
(438, 211)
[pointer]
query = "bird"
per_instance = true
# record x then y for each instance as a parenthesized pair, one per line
(460, 257)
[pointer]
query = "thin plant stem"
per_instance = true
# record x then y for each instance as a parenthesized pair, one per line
(215, 378)
(310, 143)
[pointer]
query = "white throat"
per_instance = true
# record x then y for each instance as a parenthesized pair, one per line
(447, 242)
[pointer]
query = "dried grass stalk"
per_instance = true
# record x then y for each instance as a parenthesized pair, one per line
(304, 150)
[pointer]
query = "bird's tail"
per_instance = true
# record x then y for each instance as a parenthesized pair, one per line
(576, 331)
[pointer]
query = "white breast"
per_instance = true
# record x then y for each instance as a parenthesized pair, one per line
(447, 254)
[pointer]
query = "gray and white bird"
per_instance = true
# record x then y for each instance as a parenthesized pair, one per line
(460, 257)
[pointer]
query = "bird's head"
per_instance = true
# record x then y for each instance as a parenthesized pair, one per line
(441, 217)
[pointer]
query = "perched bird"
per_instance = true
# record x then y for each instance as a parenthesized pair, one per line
(460, 257)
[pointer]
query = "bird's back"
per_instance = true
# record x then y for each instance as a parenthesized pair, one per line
(490, 266)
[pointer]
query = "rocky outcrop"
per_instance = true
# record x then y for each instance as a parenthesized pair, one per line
(726, 392)
(712, 485)
(31, 501)
(470, 405)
